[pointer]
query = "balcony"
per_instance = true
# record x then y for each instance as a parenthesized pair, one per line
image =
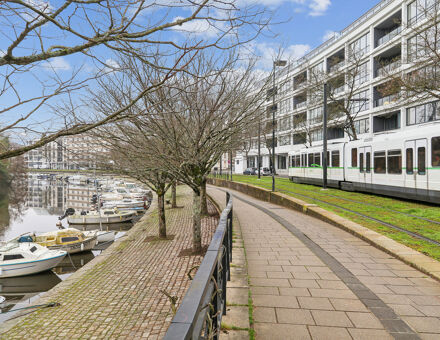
(299, 85)
(387, 37)
(391, 99)
(385, 70)
(336, 67)
(301, 105)
(339, 89)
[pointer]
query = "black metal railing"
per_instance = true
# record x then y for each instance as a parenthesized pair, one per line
(200, 313)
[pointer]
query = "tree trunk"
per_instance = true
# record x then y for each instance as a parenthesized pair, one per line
(173, 195)
(161, 211)
(197, 232)
(203, 202)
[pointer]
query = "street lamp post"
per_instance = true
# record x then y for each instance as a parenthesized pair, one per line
(275, 64)
(324, 156)
(259, 147)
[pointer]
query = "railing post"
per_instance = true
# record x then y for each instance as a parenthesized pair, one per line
(225, 273)
(215, 301)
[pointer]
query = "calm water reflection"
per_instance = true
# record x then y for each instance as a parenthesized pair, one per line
(36, 209)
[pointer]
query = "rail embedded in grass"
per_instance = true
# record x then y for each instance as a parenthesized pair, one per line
(204, 304)
(378, 213)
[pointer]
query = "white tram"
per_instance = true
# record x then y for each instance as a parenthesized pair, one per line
(404, 164)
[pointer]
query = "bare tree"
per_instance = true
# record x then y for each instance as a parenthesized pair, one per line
(344, 77)
(129, 150)
(415, 76)
(194, 118)
(40, 36)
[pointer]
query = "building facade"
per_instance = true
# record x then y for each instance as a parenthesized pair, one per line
(79, 152)
(380, 43)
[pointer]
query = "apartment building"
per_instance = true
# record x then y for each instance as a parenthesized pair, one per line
(79, 152)
(382, 42)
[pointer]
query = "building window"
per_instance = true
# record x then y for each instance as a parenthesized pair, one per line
(435, 145)
(335, 159)
(316, 135)
(394, 162)
(282, 164)
(380, 165)
(284, 140)
(284, 124)
(417, 10)
(423, 113)
(286, 106)
(315, 115)
(354, 159)
(361, 74)
(362, 126)
(360, 47)
(360, 102)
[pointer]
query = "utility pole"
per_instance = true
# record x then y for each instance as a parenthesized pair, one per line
(324, 133)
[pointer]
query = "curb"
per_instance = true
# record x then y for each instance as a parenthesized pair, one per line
(410, 256)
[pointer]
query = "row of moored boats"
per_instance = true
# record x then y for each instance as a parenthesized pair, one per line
(114, 202)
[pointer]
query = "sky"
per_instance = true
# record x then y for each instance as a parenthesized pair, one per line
(299, 26)
(310, 23)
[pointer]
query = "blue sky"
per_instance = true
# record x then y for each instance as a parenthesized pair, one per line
(305, 23)
(310, 22)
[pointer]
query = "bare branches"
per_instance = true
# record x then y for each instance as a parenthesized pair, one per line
(42, 85)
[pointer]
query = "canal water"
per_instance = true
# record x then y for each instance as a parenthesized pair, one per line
(34, 205)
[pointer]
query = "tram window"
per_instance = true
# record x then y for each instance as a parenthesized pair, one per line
(435, 151)
(298, 161)
(379, 162)
(310, 159)
(317, 159)
(395, 162)
(410, 161)
(421, 160)
(368, 162)
(304, 159)
(335, 159)
(354, 157)
(361, 162)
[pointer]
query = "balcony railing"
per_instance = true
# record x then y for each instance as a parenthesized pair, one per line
(384, 70)
(301, 105)
(392, 98)
(387, 37)
(336, 67)
(299, 85)
(339, 89)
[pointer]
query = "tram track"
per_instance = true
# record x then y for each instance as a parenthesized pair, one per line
(374, 219)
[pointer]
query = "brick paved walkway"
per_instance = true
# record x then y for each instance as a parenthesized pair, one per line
(311, 280)
(119, 297)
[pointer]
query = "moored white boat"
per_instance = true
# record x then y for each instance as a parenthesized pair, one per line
(103, 216)
(26, 258)
(102, 236)
(125, 204)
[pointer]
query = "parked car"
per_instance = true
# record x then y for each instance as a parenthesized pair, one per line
(265, 171)
(250, 171)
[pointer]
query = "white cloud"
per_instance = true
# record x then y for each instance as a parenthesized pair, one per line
(328, 35)
(57, 64)
(267, 52)
(319, 7)
(197, 27)
(111, 66)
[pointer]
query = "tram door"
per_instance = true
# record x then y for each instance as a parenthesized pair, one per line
(365, 164)
(416, 160)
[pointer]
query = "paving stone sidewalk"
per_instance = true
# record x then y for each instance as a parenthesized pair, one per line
(119, 296)
(311, 280)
